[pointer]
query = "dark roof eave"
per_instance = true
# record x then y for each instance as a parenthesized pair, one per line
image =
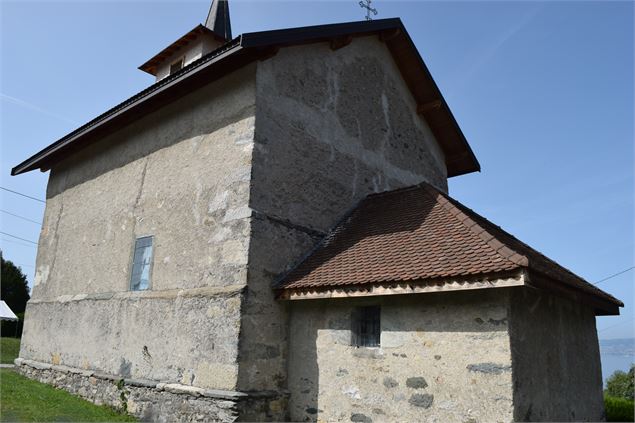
(603, 304)
(42, 158)
(280, 288)
(248, 47)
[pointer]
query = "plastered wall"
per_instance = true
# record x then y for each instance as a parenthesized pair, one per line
(556, 359)
(443, 357)
(180, 174)
(331, 127)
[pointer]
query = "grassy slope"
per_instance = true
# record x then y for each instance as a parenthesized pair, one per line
(22, 399)
(9, 349)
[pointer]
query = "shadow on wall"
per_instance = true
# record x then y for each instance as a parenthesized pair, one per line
(424, 343)
(394, 216)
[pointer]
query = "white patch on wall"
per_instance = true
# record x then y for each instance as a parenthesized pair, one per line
(218, 202)
(41, 275)
(351, 391)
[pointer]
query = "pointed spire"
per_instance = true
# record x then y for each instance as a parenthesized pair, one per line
(218, 19)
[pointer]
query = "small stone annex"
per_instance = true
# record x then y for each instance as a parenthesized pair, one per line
(265, 234)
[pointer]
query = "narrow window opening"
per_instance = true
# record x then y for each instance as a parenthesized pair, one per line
(367, 326)
(141, 264)
(176, 66)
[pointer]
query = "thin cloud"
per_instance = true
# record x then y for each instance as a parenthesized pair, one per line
(487, 54)
(31, 106)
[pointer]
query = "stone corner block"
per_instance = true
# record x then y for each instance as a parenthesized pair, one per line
(37, 365)
(144, 383)
(177, 388)
(226, 395)
(106, 376)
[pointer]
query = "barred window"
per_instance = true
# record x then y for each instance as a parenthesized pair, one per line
(141, 264)
(366, 326)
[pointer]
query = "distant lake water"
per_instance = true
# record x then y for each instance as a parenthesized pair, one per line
(616, 354)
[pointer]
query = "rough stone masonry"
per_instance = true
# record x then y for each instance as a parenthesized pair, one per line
(236, 182)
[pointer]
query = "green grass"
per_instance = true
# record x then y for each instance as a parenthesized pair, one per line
(9, 349)
(618, 409)
(25, 400)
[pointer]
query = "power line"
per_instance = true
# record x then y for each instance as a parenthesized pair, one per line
(618, 324)
(612, 276)
(17, 237)
(18, 243)
(23, 195)
(21, 217)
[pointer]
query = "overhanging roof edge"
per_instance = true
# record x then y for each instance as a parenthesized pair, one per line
(32, 162)
(254, 42)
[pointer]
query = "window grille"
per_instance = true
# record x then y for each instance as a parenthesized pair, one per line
(367, 326)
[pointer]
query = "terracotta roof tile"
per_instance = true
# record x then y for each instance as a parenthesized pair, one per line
(419, 233)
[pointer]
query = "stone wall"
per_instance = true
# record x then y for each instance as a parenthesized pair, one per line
(331, 127)
(443, 357)
(556, 359)
(182, 175)
(153, 401)
(236, 182)
(185, 337)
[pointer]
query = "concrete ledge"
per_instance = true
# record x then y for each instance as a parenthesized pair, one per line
(107, 376)
(151, 400)
(36, 365)
(212, 291)
(143, 383)
(228, 395)
(175, 388)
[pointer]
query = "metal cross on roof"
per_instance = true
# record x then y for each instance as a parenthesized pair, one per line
(365, 4)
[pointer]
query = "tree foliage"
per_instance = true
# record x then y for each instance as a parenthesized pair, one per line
(14, 286)
(620, 384)
(618, 409)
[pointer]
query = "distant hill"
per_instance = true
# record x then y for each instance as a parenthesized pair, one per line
(623, 346)
(616, 354)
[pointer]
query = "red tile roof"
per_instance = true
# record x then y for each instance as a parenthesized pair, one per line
(418, 234)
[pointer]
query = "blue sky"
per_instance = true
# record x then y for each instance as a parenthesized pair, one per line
(542, 90)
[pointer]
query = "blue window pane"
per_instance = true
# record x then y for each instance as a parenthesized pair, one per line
(141, 263)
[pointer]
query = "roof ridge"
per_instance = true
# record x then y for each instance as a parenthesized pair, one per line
(501, 248)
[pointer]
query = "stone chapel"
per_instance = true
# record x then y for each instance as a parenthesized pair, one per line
(265, 234)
